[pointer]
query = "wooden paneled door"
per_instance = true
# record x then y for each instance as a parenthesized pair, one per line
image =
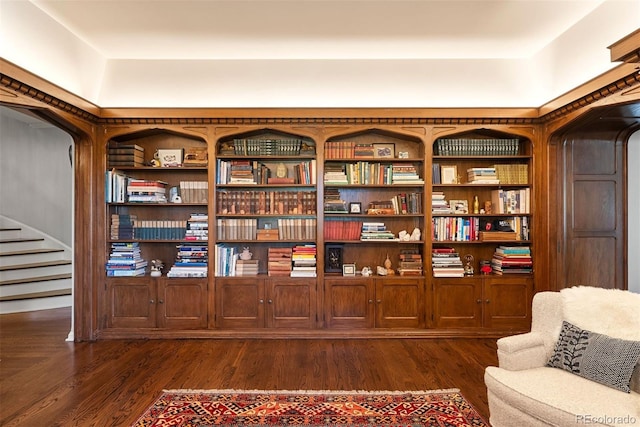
(591, 210)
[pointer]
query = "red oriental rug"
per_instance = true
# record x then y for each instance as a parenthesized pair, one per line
(201, 408)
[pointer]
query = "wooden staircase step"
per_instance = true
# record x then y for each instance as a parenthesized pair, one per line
(36, 279)
(35, 265)
(45, 294)
(32, 252)
(22, 239)
(10, 229)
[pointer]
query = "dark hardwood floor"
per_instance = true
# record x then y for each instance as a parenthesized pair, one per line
(45, 381)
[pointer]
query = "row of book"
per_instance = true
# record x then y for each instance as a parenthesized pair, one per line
(125, 260)
(248, 172)
(194, 191)
(339, 229)
(127, 227)
(503, 201)
(477, 147)
(463, 229)
(269, 147)
(371, 173)
(265, 202)
(192, 260)
(247, 228)
(348, 150)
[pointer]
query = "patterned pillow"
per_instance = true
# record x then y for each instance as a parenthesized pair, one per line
(600, 358)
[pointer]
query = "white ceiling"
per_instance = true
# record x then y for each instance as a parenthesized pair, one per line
(317, 29)
(315, 53)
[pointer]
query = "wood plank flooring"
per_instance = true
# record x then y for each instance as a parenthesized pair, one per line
(45, 381)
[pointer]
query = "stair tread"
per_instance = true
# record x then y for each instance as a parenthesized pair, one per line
(35, 265)
(36, 279)
(22, 239)
(10, 229)
(32, 251)
(44, 294)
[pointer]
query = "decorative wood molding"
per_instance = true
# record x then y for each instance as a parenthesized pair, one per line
(390, 117)
(626, 49)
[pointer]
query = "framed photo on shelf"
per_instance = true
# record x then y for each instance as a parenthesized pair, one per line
(384, 151)
(349, 270)
(333, 258)
(449, 174)
(355, 207)
(459, 206)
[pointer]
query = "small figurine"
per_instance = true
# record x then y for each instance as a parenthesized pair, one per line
(156, 267)
(468, 267)
(388, 265)
(404, 236)
(245, 254)
(415, 234)
(381, 271)
(366, 271)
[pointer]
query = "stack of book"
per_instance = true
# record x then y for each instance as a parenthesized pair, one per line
(439, 204)
(410, 263)
(512, 260)
(446, 262)
(125, 155)
(191, 261)
(482, 176)
(279, 263)
(407, 203)
(405, 173)
(197, 227)
(335, 174)
(332, 201)
(146, 191)
(304, 261)
(247, 267)
(122, 226)
(372, 231)
(125, 260)
(511, 201)
(241, 172)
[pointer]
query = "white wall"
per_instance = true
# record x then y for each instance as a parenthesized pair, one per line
(633, 207)
(36, 177)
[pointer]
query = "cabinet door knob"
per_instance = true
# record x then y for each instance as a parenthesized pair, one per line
(270, 301)
(487, 301)
(151, 301)
(479, 301)
(378, 301)
(160, 301)
(370, 301)
(261, 301)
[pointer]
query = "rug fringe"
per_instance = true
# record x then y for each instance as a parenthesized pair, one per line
(393, 392)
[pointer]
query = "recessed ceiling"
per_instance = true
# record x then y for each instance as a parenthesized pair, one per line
(317, 29)
(315, 53)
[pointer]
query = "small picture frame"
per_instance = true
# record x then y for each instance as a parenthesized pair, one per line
(384, 151)
(449, 174)
(333, 258)
(348, 269)
(355, 208)
(169, 158)
(403, 154)
(459, 206)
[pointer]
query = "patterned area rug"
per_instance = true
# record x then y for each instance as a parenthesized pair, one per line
(310, 408)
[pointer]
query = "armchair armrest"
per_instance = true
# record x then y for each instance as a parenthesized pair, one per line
(523, 351)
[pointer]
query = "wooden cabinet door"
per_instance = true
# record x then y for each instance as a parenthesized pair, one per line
(349, 303)
(182, 303)
(507, 302)
(291, 303)
(399, 303)
(457, 302)
(240, 302)
(131, 302)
